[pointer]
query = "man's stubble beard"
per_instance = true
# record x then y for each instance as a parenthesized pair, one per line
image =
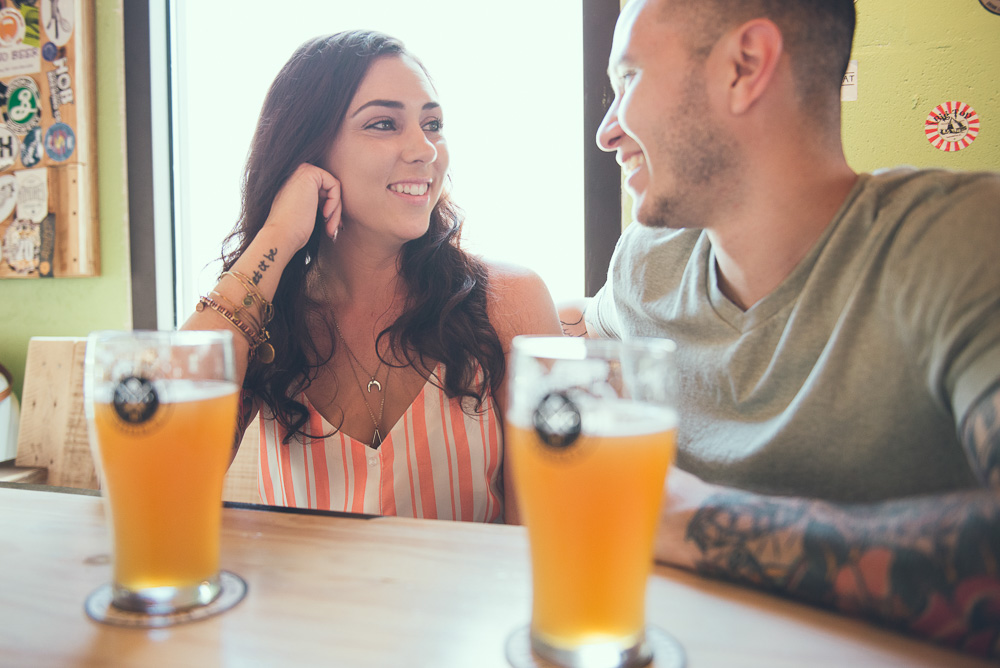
(706, 165)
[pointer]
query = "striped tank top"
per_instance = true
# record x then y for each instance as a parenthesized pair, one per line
(437, 462)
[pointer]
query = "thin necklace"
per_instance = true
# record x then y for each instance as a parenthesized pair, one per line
(371, 376)
(377, 436)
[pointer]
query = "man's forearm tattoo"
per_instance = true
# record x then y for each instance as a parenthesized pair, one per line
(928, 566)
(566, 327)
(981, 436)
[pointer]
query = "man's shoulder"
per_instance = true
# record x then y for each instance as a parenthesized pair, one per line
(909, 185)
(938, 208)
(641, 240)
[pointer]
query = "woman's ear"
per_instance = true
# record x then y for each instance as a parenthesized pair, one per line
(752, 52)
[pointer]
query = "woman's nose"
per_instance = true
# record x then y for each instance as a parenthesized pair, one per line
(419, 147)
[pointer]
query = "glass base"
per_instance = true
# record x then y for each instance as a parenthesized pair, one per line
(658, 647)
(101, 606)
(165, 600)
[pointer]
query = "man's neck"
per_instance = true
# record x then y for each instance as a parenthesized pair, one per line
(758, 248)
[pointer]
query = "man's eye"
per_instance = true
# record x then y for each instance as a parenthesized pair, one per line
(381, 125)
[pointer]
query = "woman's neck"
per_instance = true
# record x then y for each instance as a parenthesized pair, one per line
(358, 282)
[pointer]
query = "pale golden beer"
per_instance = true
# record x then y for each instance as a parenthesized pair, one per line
(591, 521)
(162, 411)
(591, 437)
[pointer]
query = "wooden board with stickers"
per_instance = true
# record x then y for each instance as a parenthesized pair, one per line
(48, 166)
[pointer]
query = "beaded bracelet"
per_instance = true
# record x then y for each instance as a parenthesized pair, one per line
(238, 308)
(258, 340)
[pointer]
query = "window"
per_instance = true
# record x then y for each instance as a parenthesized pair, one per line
(512, 79)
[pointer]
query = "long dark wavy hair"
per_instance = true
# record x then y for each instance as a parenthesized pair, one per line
(445, 317)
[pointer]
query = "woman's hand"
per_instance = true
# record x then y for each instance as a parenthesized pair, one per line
(308, 191)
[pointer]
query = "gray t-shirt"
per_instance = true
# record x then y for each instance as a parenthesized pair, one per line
(851, 379)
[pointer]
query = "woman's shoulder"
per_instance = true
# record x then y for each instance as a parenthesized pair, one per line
(519, 301)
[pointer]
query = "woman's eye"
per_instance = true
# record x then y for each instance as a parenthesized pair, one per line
(434, 126)
(385, 124)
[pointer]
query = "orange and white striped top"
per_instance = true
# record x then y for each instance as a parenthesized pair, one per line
(437, 462)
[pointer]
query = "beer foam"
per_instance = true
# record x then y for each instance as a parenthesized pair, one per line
(174, 391)
(611, 417)
(626, 418)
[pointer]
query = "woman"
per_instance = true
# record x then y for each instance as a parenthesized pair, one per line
(388, 341)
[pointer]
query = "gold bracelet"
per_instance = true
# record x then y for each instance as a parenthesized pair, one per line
(237, 309)
(258, 341)
(253, 293)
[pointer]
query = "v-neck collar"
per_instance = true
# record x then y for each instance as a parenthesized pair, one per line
(327, 427)
(787, 291)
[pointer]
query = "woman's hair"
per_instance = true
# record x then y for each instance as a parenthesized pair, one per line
(445, 317)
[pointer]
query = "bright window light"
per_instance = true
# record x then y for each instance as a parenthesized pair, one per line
(510, 80)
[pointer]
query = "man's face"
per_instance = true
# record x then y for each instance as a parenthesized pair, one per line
(661, 123)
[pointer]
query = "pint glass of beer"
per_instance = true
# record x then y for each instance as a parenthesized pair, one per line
(591, 433)
(161, 407)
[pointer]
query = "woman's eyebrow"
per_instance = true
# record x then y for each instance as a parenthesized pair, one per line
(391, 104)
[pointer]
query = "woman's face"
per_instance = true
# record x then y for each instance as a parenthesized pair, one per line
(390, 155)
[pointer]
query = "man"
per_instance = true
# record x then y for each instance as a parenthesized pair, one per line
(838, 334)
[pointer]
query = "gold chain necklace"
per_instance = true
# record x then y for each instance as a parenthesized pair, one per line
(371, 376)
(352, 358)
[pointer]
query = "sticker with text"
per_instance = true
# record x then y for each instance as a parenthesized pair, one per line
(31, 148)
(10, 148)
(8, 195)
(32, 194)
(951, 126)
(849, 86)
(60, 142)
(19, 39)
(991, 5)
(23, 105)
(22, 246)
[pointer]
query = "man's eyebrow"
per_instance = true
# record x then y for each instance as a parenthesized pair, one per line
(391, 104)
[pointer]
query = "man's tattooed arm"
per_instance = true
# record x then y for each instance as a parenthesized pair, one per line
(929, 566)
(572, 318)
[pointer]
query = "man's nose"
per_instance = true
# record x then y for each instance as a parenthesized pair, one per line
(609, 132)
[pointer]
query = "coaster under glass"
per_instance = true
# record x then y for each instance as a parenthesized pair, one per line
(99, 607)
(666, 651)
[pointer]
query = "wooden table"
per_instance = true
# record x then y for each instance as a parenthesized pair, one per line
(384, 592)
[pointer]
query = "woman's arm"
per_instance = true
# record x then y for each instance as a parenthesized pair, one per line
(520, 303)
(287, 229)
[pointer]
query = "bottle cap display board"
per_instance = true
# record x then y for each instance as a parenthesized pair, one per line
(48, 201)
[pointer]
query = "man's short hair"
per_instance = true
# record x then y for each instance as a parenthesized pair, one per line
(817, 34)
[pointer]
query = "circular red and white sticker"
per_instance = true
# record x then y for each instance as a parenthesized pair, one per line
(951, 126)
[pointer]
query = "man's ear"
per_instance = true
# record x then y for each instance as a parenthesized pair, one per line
(751, 53)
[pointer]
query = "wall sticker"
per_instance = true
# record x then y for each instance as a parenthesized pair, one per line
(951, 126)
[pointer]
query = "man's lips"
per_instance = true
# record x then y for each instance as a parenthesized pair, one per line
(632, 161)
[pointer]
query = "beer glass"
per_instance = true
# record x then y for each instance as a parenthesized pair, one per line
(590, 430)
(161, 408)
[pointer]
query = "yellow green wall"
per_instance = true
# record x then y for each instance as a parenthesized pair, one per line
(75, 306)
(912, 56)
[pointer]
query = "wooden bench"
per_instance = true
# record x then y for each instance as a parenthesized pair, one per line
(53, 432)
